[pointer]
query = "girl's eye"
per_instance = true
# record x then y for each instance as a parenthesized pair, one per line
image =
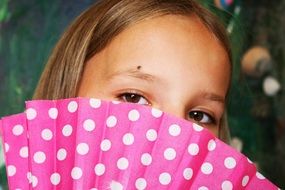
(201, 117)
(133, 98)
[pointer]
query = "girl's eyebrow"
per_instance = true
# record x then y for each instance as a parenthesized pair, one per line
(213, 97)
(135, 73)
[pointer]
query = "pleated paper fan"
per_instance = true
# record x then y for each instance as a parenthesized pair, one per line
(84, 143)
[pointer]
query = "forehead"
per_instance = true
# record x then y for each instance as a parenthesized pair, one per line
(163, 33)
(168, 47)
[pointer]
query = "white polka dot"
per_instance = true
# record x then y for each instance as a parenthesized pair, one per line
(245, 180)
(227, 185)
(174, 130)
(164, 178)
(95, 103)
(207, 168)
(187, 173)
(94, 188)
(116, 102)
(82, 148)
(259, 176)
(141, 183)
(55, 178)
(89, 125)
(193, 149)
(6, 147)
(31, 113)
(18, 130)
(203, 188)
(39, 157)
(122, 163)
(99, 169)
(34, 181)
(53, 112)
(151, 135)
(47, 134)
(24, 152)
(61, 154)
(116, 186)
(29, 177)
(230, 163)
(105, 145)
(11, 170)
(67, 130)
(72, 106)
(197, 128)
(111, 121)
(169, 154)
(146, 159)
(128, 139)
(156, 112)
(134, 115)
(76, 173)
(211, 145)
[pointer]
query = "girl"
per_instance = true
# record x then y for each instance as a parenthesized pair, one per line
(169, 54)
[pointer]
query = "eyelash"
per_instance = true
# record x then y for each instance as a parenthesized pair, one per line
(211, 119)
(133, 93)
(136, 94)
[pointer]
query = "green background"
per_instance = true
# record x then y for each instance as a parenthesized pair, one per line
(30, 28)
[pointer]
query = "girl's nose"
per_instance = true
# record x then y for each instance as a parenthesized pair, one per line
(175, 109)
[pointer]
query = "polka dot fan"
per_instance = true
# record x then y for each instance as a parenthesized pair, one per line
(86, 143)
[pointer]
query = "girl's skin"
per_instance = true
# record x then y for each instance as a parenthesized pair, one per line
(169, 62)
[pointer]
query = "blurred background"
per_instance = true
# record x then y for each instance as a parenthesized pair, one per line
(256, 109)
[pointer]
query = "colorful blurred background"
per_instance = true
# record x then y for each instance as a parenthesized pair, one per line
(256, 109)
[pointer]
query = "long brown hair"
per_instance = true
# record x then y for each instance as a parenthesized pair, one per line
(97, 26)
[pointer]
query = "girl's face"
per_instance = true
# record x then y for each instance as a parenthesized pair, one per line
(172, 63)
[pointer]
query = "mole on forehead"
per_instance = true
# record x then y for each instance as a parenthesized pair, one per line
(133, 72)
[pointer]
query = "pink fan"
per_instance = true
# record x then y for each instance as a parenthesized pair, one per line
(85, 143)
